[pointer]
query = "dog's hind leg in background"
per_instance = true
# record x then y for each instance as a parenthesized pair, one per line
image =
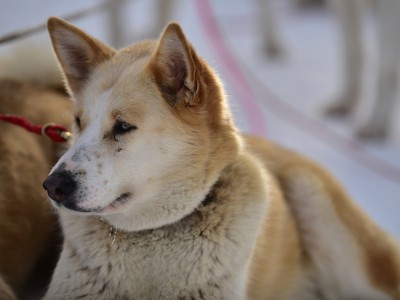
(349, 14)
(380, 118)
(377, 121)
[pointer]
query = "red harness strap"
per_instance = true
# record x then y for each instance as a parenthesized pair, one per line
(56, 133)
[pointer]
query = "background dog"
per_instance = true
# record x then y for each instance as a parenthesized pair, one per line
(28, 225)
(379, 117)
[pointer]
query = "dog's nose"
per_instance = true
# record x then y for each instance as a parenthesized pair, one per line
(60, 186)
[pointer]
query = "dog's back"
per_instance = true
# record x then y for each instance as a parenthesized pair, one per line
(346, 254)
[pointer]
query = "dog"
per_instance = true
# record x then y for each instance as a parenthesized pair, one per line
(28, 224)
(160, 196)
(378, 122)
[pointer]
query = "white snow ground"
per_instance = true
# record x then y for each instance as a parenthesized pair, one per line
(280, 100)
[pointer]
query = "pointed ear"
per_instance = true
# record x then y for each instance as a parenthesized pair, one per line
(175, 65)
(77, 52)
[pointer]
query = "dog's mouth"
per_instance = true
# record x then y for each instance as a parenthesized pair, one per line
(74, 207)
(116, 204)
(121, 200)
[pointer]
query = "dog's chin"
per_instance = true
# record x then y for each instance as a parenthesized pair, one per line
(115, 206)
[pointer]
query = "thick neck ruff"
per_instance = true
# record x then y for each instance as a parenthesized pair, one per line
(208, 199)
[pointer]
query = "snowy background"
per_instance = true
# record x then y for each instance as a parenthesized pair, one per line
(280, 99)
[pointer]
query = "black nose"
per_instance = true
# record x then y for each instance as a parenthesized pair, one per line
(60, 186)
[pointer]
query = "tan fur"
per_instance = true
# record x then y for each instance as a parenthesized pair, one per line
(208, 213)
(278, 260)
(26, 220)
(378, 252)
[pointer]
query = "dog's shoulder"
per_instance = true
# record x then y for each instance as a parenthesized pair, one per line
(240, 195)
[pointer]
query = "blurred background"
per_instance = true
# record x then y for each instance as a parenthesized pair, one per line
(283, 63)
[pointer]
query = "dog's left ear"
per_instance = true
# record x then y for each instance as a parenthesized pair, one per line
(175, 65)
(78, 53)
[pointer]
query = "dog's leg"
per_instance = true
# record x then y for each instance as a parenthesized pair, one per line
(165, 9)
(269, 29)
(353, 258)
(349, 12)
(378, 122)
(116, 21)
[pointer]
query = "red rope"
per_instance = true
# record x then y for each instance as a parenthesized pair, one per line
(56, 133)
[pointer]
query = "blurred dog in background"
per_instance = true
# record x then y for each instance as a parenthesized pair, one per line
(29, 88)
(378, 121)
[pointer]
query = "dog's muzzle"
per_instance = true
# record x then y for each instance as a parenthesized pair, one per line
(61, 187)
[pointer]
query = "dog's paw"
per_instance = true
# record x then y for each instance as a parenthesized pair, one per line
(372, 132)
(339, 108)
(274, 51)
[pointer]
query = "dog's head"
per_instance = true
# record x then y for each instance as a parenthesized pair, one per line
(151, 134)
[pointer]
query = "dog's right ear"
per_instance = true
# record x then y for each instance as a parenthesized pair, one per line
(77, 52)
(175, 67)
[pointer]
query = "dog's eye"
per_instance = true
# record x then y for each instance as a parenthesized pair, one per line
(122, 127)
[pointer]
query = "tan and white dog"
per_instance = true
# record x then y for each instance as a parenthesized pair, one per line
(160, 197)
